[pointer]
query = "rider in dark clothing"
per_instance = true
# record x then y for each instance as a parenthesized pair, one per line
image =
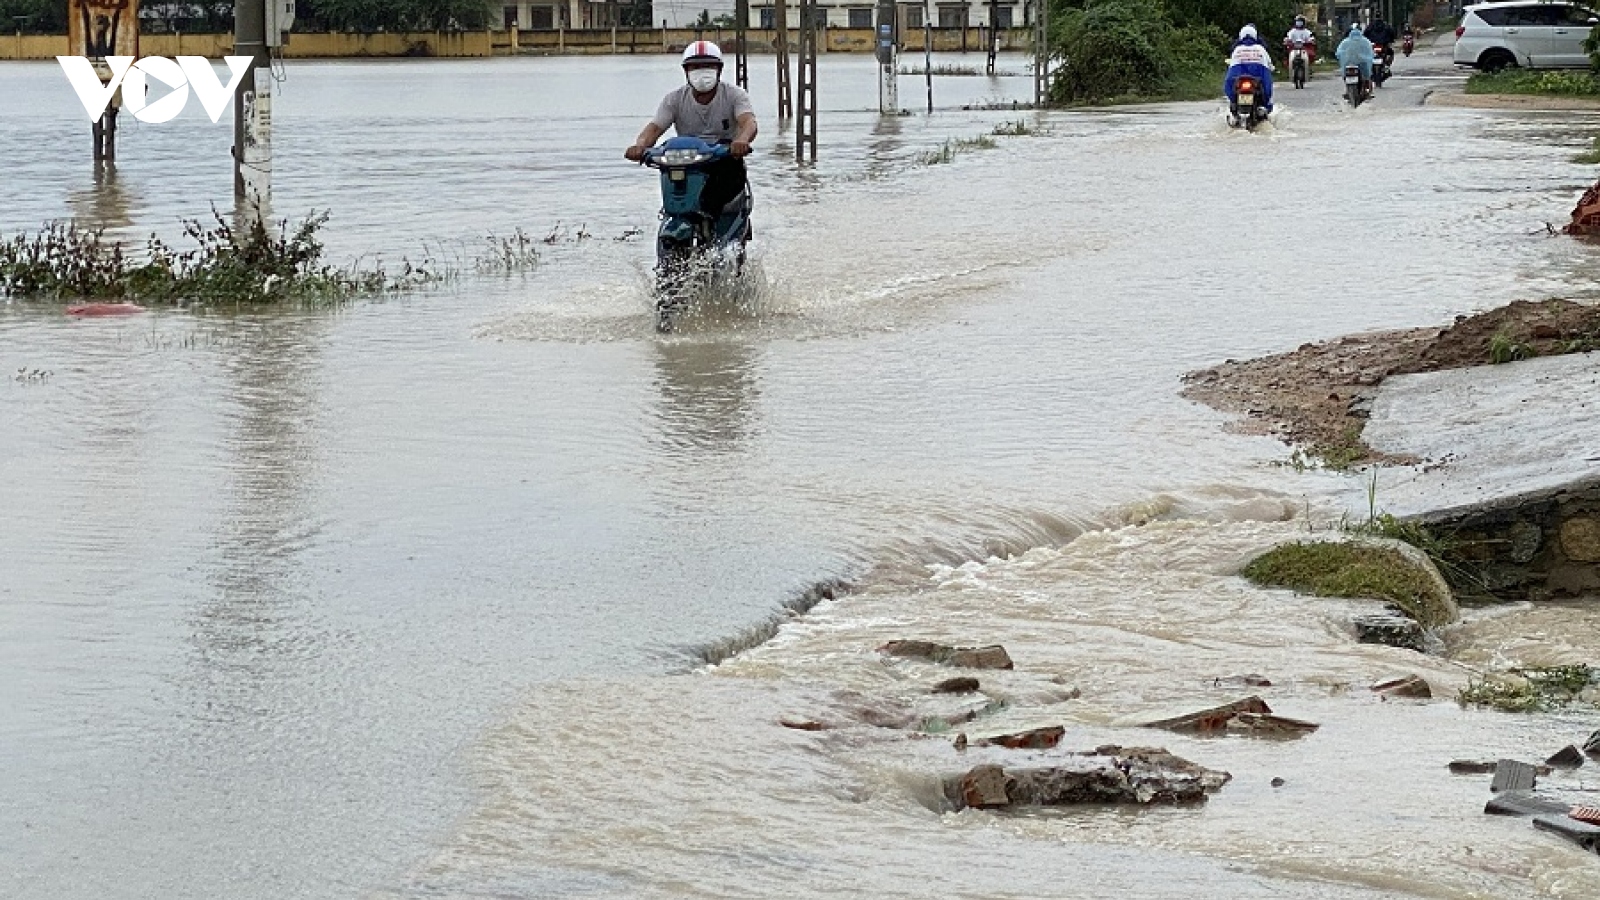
(1382, 34)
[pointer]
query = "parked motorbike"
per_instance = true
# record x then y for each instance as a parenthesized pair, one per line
(1300, 63)
(692, 245)
(1355, 89)
(1382, 59)
(1247, 110)
(1408, 44)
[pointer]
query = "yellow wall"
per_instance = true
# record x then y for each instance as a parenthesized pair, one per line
(301, 46)
(484, 43)
(835, 40)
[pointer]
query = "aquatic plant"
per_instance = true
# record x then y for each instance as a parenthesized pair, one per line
(1530, 689)
(1503, 348)
(227, 263)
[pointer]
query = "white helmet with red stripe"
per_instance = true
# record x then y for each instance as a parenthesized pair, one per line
(702, 52)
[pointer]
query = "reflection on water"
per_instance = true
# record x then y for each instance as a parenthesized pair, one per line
(107, 203)
(707, 393)
(258, 613)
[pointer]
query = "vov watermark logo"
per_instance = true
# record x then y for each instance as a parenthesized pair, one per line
(133, 78)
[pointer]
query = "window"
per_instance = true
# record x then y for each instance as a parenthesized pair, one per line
(541, 17)
(1494, 17)
(913, 16)
(952, 17)
(860, 17)
(1532, 16)
(511, 17)
(1576, 16)
(768, 17)
(1002, 17)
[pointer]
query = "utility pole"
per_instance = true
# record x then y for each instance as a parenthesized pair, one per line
(806, 120)
(1041, 53)
(741, 52)
(252, 105)
(780, 47)
(994, 33)
(887, 51)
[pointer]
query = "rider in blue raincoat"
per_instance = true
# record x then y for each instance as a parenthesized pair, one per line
(1356, 50)
(1250, 57)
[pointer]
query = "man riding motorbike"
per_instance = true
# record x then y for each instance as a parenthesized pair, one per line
(1381, 33)
(709, 109)
(1250, 58)
(1356, 50)
(1302, 35)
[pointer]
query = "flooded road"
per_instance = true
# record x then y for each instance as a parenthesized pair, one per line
(407, 599)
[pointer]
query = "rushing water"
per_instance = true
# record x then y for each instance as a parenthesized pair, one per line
(405, 599)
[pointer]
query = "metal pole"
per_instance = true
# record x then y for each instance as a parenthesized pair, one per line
(249, 39)
(780, 47)
(741, 53)
(806, 118)
(927, 51)
(1041, 53)
(994, 32)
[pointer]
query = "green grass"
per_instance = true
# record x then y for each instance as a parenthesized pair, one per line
(1357, 570)
(1590, 156)
(1545, 83)
(1018, 128)
(1529, 689)
(1503, 348)
(947, 152)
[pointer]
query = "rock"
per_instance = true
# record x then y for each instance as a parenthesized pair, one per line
(1511, 775)
(1390, 629)
(1128, 776)
(803, 725)
(1259, 723)
(961, 685)
(1586, 215)
(994, 657)
(1592, 745)
(1583, 834)
(1522, 803)
(1278, 782)
(1568, 757)
(1250, 680)
(1213, 719)
(1526, 539)
(1471, 766)
(984, 787)
(1408, 686)
(1544, 332)
(1032, 739)
(960, 743)
(1580, 539)
(991, 657)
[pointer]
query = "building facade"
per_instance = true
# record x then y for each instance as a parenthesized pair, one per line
(938, 13)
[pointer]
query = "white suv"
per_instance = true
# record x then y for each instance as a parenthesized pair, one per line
(1536, 35)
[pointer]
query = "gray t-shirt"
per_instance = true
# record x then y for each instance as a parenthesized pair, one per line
(714, 121)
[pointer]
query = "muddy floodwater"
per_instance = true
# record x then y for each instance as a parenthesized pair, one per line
(408, 598)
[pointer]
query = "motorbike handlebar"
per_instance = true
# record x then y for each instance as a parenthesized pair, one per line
(652, 156)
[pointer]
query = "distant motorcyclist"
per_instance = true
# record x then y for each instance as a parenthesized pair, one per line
(1381, 33)
(712, 110)
(1250, 58)
(1356, 50)
(1300, 34)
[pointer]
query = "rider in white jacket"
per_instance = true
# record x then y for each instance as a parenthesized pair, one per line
(1300, 34)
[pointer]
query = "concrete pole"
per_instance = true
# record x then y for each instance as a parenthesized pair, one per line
(249, 39)
(741, 57)
(780, 49)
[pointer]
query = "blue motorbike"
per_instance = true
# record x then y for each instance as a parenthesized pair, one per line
(693, 245)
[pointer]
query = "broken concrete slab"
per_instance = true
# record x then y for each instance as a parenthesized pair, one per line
(991, 657)
(1266, 724)
(1214, 719)
(1568, 757)
(961, 685)
(1512, 775)
(1592, 746)
(1408, 686)
(1583, 834)
(1486, 766)
(1140, 776)
(1032, 739)
(1523, 803)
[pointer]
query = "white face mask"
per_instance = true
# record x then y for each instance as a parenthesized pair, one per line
(703, 79)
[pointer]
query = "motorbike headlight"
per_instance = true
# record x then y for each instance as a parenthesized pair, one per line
(683, 157)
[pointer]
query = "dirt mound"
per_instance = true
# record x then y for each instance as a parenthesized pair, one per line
(1317, 397)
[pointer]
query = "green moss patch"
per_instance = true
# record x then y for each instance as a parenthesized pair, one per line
(1356, 569)
(1530, 690)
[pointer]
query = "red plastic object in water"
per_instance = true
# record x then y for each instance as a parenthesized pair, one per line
(104, 309)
